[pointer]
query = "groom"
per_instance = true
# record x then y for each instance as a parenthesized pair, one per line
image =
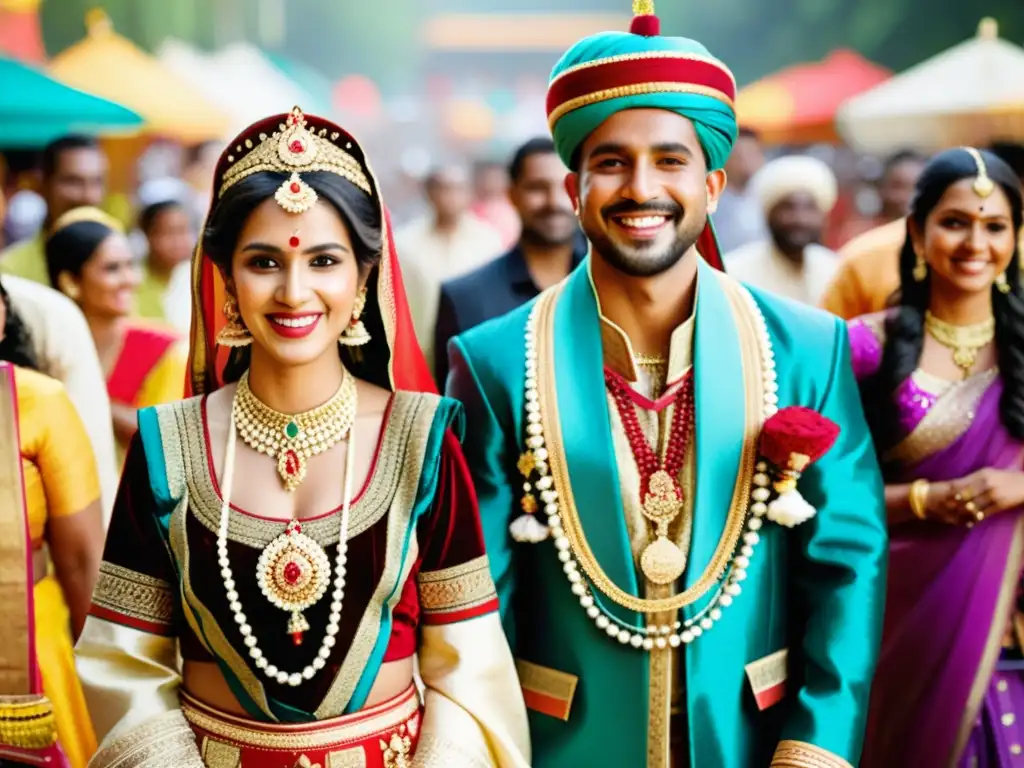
(691, 572)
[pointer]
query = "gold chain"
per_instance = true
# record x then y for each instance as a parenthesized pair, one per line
(571, 522)
(964, 340)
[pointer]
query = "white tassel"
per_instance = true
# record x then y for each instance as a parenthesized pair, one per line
(790, 509)
(527, 529)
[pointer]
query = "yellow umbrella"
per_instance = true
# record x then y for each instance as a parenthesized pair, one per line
(109, 65)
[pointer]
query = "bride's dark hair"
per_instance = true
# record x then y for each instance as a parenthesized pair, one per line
(362, 216)
(904, 328)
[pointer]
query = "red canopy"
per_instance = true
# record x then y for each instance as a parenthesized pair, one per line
(798, 104)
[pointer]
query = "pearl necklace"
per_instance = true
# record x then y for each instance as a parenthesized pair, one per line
(293, 679)
(682, 632)
(294, 439)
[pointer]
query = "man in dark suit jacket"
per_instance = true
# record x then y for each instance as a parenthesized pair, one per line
(550, 246)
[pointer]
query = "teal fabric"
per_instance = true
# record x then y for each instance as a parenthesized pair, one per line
(714, 121)
(449, 415)
(816, 589)
(35, 109)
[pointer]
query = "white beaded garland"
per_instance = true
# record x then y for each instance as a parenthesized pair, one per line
(684, 632)
(293, 679)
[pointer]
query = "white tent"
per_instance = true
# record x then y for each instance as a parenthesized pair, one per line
(972, 93)
(238, 78)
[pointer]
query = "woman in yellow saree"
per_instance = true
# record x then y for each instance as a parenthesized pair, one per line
(51, 535)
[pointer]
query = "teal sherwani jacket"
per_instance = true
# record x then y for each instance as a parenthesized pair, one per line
(815, 590)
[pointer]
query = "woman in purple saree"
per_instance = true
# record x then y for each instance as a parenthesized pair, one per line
(942, 378)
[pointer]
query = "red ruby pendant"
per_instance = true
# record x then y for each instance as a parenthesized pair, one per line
(295, 188)
(291, 463)
(297, 638)
(292, 573)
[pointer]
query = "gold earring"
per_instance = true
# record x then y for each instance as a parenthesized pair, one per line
(920, 269)
(234, 334)
(1002, 284)
(356, 335)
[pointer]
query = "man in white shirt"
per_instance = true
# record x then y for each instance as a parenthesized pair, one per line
(64, 346)
(796, 194)
(446, 243)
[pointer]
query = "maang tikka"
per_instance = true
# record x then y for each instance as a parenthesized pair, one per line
(355, 334)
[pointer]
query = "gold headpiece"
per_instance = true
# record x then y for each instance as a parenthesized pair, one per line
(292, 149)
(643, 7)
(86, 213)
(983, 185)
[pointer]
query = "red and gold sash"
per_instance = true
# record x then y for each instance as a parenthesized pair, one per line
(28, 731)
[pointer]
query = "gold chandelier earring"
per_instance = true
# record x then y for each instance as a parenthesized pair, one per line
(356, 335)
(234, 334)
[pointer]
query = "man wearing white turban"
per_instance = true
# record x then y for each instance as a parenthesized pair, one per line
(796, 194)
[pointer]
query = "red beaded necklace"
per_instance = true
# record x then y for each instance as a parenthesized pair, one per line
(661, 496)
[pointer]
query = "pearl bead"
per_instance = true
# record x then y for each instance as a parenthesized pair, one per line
(569, 567)
(636, 641)
(739, 574)
(755, 524)
(751, 539)
(318, 663)
(250, 641)
(261, 663)
(578, 589)
(760, 494)
(324, 653)
(564, 555)
(593, 612)
(649, 643)
(686, 637)
(602, 622)
(660, 643)
(761, 479)
(329, 642)
(308, 673)
(715, 614)
(624, 636)
(673, 641)
(725, 601)
(225, 572)
(233, 597)
(733, 590)
(282, 678)
(611, 630)
(255, 653)
(574, 576)
(295, 680)
(759, 508)
(747, 551)
(562, 543)
(587, 601)
(706, 624)
(271, 671)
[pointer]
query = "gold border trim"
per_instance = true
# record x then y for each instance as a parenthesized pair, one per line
(133, 595)
(641, 56)
(410, 459)
(754, 410)
(16, 599)
(164, 741)
(994, 642)
(802, 754)
(359, 726)
(637, 89)
(946, 421)
(457, 588)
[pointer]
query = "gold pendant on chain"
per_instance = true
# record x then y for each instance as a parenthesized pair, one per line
(293, 573)
(662, 561)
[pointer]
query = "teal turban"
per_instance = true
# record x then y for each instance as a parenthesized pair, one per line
(612, 71)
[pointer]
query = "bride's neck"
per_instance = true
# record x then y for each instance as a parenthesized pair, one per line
(294, 388)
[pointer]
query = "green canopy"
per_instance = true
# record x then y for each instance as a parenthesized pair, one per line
(35, 109)
(311, 80)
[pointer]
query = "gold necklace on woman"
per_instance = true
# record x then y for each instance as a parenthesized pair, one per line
(293, 438)
(964, 340)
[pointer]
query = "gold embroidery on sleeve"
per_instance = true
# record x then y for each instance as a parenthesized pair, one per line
(460, 587)
(134, 594)
(800, 754)
(164, 741)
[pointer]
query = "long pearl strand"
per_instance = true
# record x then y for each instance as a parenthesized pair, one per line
(683, 632)
(293, 679)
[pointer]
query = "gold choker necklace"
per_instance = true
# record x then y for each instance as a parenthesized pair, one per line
(964, 340)
(293, 439)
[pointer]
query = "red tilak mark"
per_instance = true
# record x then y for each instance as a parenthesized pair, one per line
(293, 241)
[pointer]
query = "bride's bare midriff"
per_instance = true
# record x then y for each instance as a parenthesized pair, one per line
(204, 681)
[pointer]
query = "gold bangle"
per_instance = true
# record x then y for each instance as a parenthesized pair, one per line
(918, 498)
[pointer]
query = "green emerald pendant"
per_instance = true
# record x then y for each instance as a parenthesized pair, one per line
(291, 431)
